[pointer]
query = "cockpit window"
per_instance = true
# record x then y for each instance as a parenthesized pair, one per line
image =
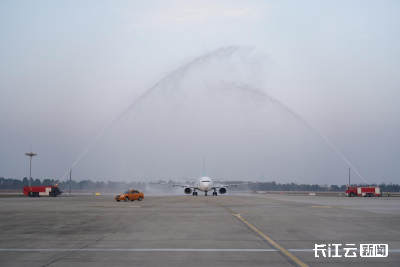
(206, 181)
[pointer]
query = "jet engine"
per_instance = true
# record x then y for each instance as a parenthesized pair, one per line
(222, 190)
(188, 190)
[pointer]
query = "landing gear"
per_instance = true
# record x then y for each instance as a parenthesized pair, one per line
(215, 193)
(194, 193)
(205, 193)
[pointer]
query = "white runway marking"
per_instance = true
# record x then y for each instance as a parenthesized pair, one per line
(158, 250)
(135, 250)
(339, 250)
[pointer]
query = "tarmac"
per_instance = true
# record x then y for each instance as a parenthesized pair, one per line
(227, 230)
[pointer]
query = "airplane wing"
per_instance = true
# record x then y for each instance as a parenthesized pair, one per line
(184, 185)
(216, 187)
(180, 185)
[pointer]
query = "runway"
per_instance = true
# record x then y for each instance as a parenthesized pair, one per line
(228, 230)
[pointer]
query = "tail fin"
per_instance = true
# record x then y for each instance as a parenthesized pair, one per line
(204, 166)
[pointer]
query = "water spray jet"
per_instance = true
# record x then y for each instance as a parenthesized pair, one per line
(180, 72)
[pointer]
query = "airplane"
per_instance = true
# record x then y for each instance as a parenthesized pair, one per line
(204, 184)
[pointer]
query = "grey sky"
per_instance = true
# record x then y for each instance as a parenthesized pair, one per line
(69, 68)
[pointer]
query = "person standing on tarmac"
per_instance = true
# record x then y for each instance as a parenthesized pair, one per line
(388, 194)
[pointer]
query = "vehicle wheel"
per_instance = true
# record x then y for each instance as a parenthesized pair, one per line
(140, 198)
(51, 194)
(126, 199)
(351, 194)
(36, 194)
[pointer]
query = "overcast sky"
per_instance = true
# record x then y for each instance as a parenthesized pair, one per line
(248, 73)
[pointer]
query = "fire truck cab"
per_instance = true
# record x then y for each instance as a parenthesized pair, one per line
(37, 191)
(359, 191)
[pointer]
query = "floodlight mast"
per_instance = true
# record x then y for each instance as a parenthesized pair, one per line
(30, 166)
(70, 180)
(349, 177)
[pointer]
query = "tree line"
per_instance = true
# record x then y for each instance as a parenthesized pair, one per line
(16, 184)
(273, 186)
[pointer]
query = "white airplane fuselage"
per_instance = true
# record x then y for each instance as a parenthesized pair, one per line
(204, 184)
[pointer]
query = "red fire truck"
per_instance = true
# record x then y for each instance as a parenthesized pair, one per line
(359, 191)
(37, 191)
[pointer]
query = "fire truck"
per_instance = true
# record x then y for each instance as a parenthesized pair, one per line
(37, 191)
(359, 191)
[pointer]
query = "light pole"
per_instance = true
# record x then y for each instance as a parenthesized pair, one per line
(30, 166)
(349, 176)
(70, 180)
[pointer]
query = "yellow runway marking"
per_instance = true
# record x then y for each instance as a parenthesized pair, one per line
(116, 206)
(284, 251)
(330, 206)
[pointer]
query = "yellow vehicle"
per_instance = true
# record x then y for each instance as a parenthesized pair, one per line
(131, 195)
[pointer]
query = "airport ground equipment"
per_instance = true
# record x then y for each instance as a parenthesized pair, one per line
(131, 194)
(363, 191)
(37, 191)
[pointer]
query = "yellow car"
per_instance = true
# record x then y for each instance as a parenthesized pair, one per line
(131, 195)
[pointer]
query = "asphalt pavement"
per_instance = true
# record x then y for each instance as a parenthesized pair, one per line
(227, 230)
